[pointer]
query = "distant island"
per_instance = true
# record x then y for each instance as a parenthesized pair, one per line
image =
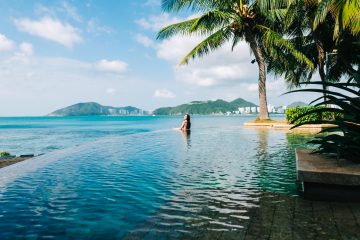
(96, 109)
(297, 104)
(217, 107)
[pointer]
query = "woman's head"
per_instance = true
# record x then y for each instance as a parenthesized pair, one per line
(187, 117)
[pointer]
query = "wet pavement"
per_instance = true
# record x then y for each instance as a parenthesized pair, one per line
(278, 216)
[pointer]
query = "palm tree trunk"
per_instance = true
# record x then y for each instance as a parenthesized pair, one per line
(264, 114)
(321, 63)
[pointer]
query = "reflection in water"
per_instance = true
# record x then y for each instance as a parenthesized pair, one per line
(262, 143)
(275, 159)
(298, 138)
(186, 137)
(263, 170)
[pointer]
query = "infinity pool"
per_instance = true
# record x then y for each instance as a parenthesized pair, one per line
(155, 185)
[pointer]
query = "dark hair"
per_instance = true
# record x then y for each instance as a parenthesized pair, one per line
(188, 123)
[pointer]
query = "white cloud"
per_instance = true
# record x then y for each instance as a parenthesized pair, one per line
(175, 48)
(41, 85)
(251, 87)
(144, 40)
(44, 10)
(5, 43)
(115, 66)
(57, 9)
(50, 29)
(110, 90)
(94, 27)
(22, 56)
(156, 22)
(164, 93)
(220, 67)
(71, 11)
(26, 48)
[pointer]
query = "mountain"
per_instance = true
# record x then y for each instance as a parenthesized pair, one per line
(205, 107)
(297, 104)
(95, 109)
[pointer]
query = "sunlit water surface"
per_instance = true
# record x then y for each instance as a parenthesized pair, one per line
(154, 183)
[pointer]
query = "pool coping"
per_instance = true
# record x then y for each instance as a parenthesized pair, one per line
(325, 177)
(5, 162)
(286, 126)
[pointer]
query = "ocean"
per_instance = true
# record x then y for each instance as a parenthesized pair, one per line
(40, 135)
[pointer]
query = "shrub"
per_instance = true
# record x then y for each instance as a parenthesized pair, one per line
(300, 115)
(293, 114)
(4, 154)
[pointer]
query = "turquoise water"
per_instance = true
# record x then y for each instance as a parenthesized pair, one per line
(137, 178)
(38, 135)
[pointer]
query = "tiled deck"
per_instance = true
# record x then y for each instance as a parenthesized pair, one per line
(282, 217)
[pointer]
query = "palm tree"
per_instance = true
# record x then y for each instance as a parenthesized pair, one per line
(346, 14)
(231, 20)
(312, 28)
(314, 43)
(326, 18)
(343, 18)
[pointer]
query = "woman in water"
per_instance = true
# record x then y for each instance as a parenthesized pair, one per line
(186, 124)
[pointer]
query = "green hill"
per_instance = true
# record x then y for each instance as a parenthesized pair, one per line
(297, 104)
(205, 107)
(95, 109)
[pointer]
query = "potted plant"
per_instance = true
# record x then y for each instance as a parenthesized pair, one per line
(334, 167)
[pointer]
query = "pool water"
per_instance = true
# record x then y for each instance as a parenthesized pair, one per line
(158, 184)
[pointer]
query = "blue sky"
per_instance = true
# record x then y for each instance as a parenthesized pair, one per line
(57, 53)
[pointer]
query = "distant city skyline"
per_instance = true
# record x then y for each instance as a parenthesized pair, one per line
(57, 53)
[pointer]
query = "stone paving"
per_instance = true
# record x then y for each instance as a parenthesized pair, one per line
(284, 217)
(280, 217)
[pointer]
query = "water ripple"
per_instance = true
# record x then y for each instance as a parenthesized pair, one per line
(151, 185)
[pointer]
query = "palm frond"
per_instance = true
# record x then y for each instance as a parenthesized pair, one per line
(272, 38)
(182, 28)
(321, 12)
(211, 20)
(350, 16)
(211, 43)
(345, 13)
(194, 5)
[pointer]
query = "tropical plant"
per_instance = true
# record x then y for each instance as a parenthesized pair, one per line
(293, 114)
(309, 24)
(222, 21)
(343, 139)
(344, 12)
